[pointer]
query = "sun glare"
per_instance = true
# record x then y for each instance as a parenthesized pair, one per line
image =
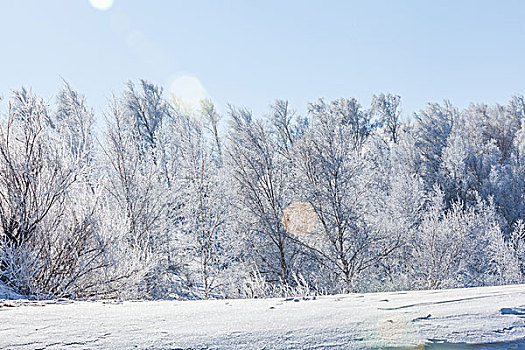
(188, 91)
(102, 5)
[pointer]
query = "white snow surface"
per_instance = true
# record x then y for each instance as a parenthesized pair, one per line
(459, 318)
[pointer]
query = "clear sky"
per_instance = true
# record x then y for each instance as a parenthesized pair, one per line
(249, 53)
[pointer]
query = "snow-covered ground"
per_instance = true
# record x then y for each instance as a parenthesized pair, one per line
(490, 315)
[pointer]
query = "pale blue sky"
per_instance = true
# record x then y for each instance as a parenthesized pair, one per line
(250, 52)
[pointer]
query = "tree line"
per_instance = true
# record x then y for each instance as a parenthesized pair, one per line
(170, 203)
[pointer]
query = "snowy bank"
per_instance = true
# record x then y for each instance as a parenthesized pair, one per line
(397, 319)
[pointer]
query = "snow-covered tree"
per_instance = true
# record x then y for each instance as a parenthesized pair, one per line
(259, 161)
(387, 109)
(334, 179)
(163, 207)
(49, 232)
(137, 181)
(202, 188)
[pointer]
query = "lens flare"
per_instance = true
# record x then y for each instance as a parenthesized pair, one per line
(102, 5)
(188, 91)
(299, 218)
